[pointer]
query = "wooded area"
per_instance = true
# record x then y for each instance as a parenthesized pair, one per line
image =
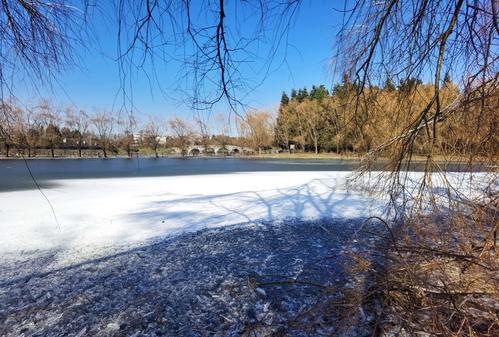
(320, 121)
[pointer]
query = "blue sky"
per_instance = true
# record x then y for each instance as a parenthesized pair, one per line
(95, 83)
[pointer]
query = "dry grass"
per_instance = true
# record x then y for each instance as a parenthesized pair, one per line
(439, 280)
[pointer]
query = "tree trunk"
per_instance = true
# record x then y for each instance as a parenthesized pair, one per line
(315, 145)
(52, 152)
(7, 149)
(104, 151)
(79, 149)
(29, 152)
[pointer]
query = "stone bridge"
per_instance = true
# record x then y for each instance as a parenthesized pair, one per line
(194, 150)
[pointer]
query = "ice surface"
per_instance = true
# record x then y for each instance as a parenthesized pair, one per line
(104, 211)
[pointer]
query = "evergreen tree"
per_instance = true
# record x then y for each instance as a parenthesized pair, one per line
(408, 84)
(293, 94)
(322, 88)
(284, 99)
(302, 94)
(313, 92)
(319, 93)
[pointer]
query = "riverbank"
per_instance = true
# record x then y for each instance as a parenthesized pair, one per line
(349, 156)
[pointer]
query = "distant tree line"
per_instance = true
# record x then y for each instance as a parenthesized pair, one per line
(47, 130)
(318, 120)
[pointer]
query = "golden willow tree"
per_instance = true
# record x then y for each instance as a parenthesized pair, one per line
(441, 274)
(329, 122)
(404, 39)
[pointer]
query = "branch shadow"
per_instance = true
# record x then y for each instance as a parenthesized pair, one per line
(314, 199)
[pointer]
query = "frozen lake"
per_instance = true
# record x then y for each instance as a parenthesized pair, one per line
(106, 203)
(110, 211)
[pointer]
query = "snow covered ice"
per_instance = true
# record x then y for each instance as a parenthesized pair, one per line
(102, 212)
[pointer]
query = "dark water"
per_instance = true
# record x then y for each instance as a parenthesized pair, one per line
(14, 174)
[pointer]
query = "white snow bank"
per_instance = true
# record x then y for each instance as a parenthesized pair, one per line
(102, 212)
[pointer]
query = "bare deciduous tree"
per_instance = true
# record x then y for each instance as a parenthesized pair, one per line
(37, 40)
(401, 39)
(258, 128)
(204, 131)
(50, 119)
(311, 116)
(183, 133)
(7, 129)
(215, 38)
(103, 122)
(223, 129)
(127, 123)
(452, 37)
(152, 134)
(79, 122)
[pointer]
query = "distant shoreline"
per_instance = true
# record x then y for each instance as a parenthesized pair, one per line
(280, 156)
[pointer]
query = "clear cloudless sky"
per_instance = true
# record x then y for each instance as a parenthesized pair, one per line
(95, 82)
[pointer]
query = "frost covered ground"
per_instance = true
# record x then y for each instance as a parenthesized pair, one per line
(206, 283)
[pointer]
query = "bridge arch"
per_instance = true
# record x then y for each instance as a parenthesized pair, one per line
(195, 151)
